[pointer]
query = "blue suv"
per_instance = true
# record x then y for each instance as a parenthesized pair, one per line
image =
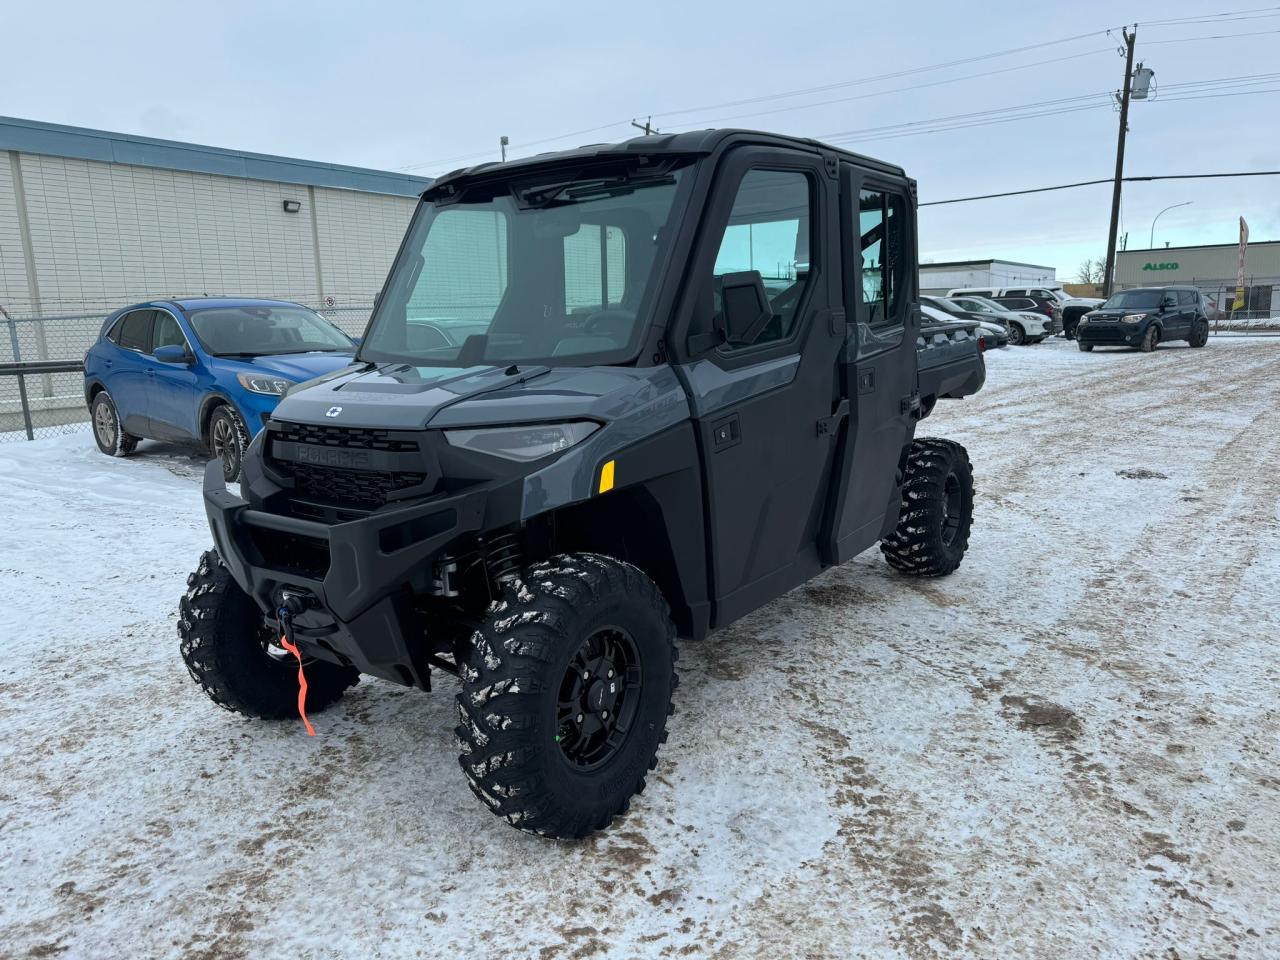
(203, 371)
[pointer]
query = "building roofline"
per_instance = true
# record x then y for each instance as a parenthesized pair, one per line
(1200, 246)
(57, 140)
(988, 262)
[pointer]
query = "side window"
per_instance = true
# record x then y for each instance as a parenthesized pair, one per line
(1015, 293)
(768, 232)
(595, 262)
(114, 333)
(1186, 298)
(135, 331)
(883, 230)
(167, 332)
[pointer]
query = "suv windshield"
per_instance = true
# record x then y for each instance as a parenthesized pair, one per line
(256, 331)
(554, 268)
(1134, 300)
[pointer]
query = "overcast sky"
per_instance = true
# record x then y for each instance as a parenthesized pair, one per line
(430, 87)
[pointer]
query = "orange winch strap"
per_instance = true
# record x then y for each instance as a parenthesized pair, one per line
(302, 682)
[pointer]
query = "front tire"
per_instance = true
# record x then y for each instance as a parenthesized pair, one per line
(232, 653)
(228, 440)
(1017, 336)
(566, 690)
(1084, 347)
(937, 510)
(108, 432)
(1150, 339)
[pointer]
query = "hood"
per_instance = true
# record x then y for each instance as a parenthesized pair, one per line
(397, 396)
(291, 366)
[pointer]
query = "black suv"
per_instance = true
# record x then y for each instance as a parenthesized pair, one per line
(1144, 317)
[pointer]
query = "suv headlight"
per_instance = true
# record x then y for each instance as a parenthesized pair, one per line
(530, 442)
(1133, 318)
(275, 386)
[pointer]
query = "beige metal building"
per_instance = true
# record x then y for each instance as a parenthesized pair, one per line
(1212, 268)
(91, 220)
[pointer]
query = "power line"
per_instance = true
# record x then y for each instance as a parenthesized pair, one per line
(1090, 183)
(1220, 36)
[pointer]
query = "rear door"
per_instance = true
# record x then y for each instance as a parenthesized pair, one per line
(126, 380)
(759, 408)
(1187, 303)
(878, 373)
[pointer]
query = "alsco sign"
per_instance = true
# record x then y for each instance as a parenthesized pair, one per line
(1160, 266)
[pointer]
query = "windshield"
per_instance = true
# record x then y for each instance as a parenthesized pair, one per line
(980, 305)
(256, 331)
(555, 269)
(940, 304)
(1134, 300)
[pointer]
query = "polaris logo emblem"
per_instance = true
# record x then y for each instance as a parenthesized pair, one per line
(329, 456)
(333, 411)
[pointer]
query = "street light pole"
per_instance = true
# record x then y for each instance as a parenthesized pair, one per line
(1151, 244)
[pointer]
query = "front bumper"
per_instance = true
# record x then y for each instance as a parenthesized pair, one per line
(356, 588)
(1104, 333)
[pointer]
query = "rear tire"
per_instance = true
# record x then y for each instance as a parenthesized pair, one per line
(937, 510)
(1150, 339)
(107, 430)
(229, 651)
(1199, 335)
(549, 750)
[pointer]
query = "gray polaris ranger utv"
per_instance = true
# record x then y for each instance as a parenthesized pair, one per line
(607, 398)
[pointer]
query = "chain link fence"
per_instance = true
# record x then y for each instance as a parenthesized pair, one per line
(42, 357)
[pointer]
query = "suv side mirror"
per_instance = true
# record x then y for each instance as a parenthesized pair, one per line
(1169, 300)
(746, 309)
(172, 353)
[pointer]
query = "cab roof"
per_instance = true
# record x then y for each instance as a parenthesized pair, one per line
(692, 143)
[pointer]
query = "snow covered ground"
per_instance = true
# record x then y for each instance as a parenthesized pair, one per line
(1069, 748)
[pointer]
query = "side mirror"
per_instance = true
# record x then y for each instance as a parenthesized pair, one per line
(172, 353)
(1168, 302)
(746, 309)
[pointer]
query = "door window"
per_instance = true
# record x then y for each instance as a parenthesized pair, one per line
(135, 331)
(883, 237)
(768, 232)
(167, 332)
(1186, 298)
(594, 268)
(1015, 293)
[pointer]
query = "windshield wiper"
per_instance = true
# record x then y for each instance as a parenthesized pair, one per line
(589, 188)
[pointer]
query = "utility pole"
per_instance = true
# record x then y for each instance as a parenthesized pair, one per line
(647, 126)
(1109, 276)
(502, 145)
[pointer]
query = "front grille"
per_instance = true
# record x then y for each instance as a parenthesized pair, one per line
(350, 486)
(353, 438)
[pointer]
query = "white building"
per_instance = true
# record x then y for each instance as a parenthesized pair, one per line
(938, 278)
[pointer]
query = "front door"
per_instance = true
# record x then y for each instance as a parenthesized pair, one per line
(763, 409)
(879, 369)
(171, 387)
(127, 380)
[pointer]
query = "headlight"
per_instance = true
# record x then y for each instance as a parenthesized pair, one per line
(275, 386)
(1082, 321)
(531, 442)
(1133, 318)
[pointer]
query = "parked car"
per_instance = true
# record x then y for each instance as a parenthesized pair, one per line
(994, 332)
(1073, 310)
(1144, 317)
(203, 371)
(1041, 292)
(1024, 326)
(1048, 306)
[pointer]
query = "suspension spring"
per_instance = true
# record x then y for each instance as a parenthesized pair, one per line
(504, 557)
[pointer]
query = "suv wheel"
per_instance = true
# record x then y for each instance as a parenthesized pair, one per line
(937, 510)
(228, 440)
(1017, 336)
(1150, 339)
(236, 657)
(110, 436)
(566, 690)
(1199, 335)
(1084, 347)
